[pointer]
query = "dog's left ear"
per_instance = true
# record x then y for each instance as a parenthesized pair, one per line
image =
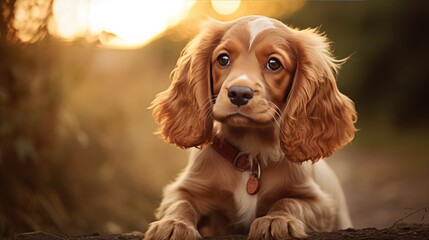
(183, 110)
(317, 119)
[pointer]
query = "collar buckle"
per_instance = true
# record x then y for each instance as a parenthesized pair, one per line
(241, 162)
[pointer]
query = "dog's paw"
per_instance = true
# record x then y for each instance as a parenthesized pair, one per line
(171, 229)
(276, 227)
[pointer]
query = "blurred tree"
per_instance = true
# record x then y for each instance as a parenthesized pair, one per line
(29, 100)
(49, 179)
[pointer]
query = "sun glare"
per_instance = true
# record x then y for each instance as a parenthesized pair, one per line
(134, 23)
(126, 23)
(225, 7)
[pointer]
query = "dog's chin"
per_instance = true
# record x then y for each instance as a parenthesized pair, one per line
(243, 121)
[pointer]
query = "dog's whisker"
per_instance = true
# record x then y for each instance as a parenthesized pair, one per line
(275, 114)
(206, 110)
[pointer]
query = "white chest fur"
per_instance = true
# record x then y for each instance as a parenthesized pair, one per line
(245, 203)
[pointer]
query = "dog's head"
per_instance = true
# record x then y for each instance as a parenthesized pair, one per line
(256, 72)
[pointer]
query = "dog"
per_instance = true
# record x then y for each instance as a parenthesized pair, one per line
(259, 104)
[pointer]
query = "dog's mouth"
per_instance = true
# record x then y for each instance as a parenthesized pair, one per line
(257, 113)
(240, 119)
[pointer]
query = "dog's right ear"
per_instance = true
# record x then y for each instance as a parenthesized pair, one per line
(183, 111)
(318, 118)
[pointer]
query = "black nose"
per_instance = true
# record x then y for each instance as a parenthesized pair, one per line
(240, 95)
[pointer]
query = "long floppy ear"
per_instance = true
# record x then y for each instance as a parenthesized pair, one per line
(183, 111)
(317, 119)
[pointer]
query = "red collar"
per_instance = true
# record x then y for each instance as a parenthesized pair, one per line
(232, 154)
(240, 161)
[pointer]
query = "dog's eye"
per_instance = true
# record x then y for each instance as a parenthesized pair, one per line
(223, 60)
(274, 64)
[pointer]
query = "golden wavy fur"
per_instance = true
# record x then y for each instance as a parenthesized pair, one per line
(275, 98)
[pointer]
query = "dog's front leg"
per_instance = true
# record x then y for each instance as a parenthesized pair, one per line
(292, 217)
(178, 222)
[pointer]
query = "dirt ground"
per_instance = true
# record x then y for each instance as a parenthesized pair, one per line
(383, 185)
(401, 231)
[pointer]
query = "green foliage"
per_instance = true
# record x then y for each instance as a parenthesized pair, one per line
(386, 75)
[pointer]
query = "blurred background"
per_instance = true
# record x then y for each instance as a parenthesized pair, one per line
(77, 149)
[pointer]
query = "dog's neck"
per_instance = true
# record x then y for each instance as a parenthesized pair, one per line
(261, 144)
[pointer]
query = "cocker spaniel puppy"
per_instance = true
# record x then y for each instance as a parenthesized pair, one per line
(257, 100)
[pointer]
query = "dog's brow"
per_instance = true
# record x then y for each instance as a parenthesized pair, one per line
(258, 25)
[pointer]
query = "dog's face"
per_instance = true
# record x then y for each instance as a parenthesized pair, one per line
(252, 69)
(262, 74)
